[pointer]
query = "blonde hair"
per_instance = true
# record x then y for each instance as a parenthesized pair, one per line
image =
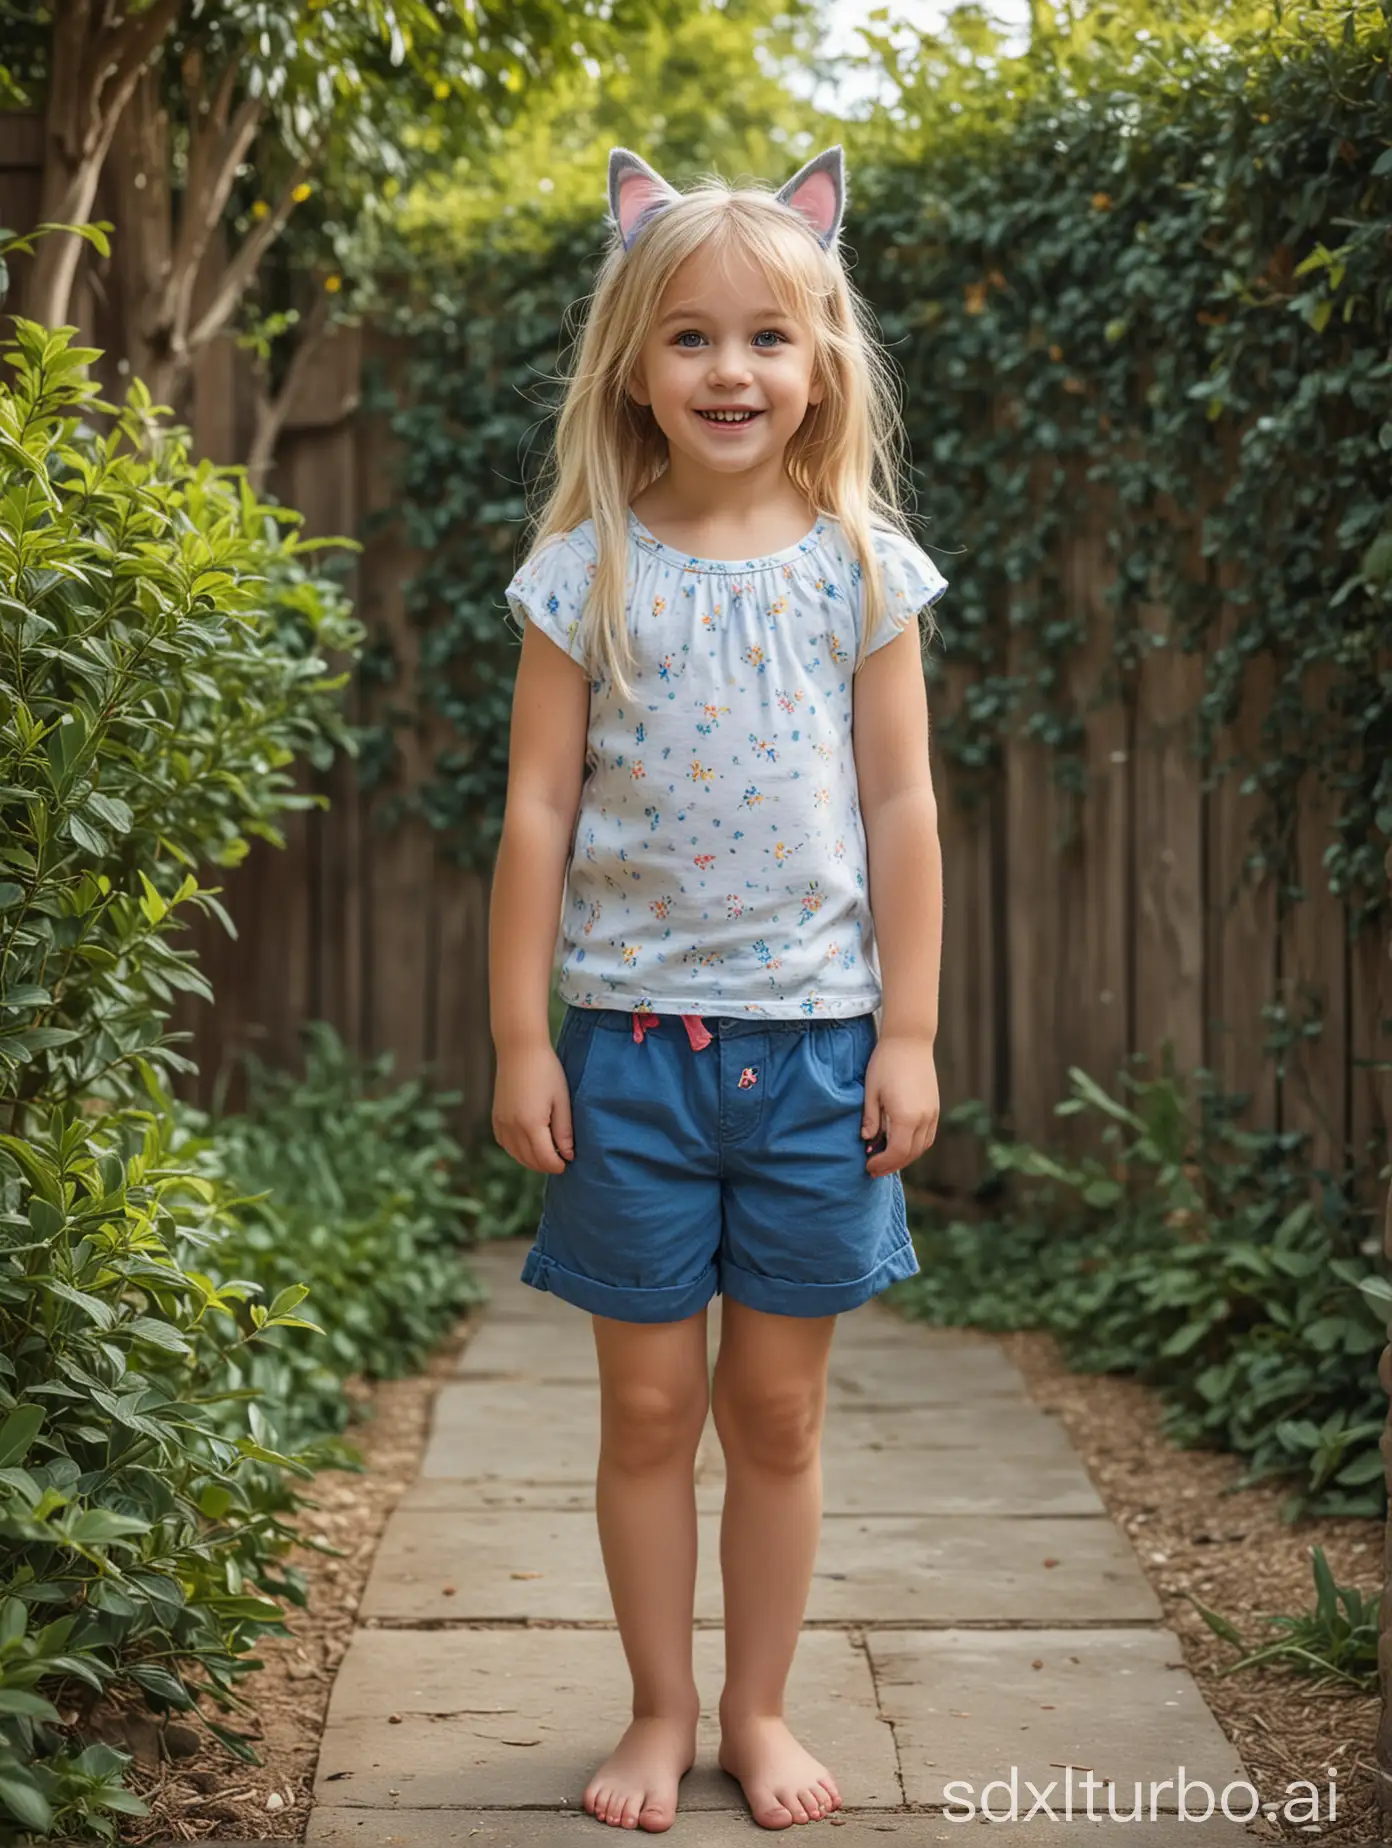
(846, 458)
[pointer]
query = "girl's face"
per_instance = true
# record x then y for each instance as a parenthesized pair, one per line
(719, 343)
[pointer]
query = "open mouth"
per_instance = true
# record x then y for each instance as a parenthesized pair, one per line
(735, 418)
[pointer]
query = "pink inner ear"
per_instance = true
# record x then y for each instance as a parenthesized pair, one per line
(816, 200)
(636, 194)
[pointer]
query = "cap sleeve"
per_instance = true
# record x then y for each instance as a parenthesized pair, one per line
(912, 583)
(550, 589)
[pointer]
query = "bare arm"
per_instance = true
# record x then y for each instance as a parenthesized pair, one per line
(546, 762)
(900, 815)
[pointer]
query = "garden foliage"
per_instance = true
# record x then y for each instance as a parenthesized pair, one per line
(1191, 1253)
(161, 665)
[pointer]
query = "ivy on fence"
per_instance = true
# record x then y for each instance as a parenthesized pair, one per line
(1163, 268)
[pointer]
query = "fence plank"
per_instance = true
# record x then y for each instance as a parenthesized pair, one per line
(1169, 823)
(1092, 980)
(1032, 940)
(1370, 1049)
(397, 849)
(1313, 987)
(463, 1058)
(965, 1047)
(1241, 924)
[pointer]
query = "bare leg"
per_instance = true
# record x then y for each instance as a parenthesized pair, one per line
(769, 1401)
(654, 1395)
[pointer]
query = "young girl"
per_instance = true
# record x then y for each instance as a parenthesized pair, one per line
(719, 788)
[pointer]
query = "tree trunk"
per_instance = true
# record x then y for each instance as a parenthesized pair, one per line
(141, 203)
(93, 71)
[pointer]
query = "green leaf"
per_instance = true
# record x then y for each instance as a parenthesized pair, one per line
(21, 1703)
(159, 1682)
(23, 1799)
(18, 1432)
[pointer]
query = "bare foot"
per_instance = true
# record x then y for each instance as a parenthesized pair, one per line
(782, 1783)
(636, 1786)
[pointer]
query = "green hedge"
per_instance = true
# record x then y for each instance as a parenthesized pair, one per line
(161, 667)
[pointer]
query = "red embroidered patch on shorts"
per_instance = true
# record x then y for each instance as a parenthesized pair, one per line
(749, 1076)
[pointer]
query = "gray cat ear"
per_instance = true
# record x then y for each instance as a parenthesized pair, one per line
(636, 193)
(818, 191)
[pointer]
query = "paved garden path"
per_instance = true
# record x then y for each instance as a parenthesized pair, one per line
(974, 1609)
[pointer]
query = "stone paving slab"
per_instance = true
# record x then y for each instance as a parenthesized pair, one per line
(855, 1481)
(491, 1430)
(970, 1704)
(922, 1373)
(456, 1828)
(520, 1718)
(920, 1439)
(487, 1429)
(521, 1349)
(490, 1566)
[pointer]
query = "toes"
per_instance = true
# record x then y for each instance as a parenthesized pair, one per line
(775, 1815)
(831, 1794)
(791, 1802)
(656, 1817)
(811, 1800)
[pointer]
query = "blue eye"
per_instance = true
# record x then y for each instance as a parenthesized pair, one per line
(780, 339)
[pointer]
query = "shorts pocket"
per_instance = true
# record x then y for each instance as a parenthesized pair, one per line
(854, 1044)
(573, 1044)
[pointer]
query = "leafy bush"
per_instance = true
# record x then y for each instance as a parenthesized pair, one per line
(1193, 1255)
(160, 668)
(355, 1202)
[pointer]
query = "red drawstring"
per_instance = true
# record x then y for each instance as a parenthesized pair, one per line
(696, 1030)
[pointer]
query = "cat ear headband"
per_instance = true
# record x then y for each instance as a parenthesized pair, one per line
(817, 192)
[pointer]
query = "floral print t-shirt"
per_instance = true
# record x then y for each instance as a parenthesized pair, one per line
(718, 864)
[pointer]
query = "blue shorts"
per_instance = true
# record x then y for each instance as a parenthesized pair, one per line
(736, 1168)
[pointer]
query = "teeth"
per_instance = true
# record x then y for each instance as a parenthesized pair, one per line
(728, 416)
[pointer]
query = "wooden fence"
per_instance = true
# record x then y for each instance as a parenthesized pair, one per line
(1082, 929)
(1078, 929)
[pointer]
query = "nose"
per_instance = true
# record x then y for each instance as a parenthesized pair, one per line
(729, 363)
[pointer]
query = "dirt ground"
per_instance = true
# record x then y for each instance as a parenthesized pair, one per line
(1231, 1550)
(1234, 1553)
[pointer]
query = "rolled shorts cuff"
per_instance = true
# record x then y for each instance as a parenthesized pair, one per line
(778, 1296)
(621, 1302)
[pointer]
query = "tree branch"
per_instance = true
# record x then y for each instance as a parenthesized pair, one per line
(212, 171)
(271, 412)
(244, 265)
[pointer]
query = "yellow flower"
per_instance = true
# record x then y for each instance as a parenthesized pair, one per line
(301, 193)
(442, 90)
(333, 284)
(260, 209)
